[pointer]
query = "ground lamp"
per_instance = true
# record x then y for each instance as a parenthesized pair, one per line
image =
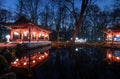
(8, 38)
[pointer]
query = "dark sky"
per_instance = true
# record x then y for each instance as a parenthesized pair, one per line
(10, 4)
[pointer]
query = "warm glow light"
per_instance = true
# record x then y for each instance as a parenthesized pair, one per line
(33, 61)
(25, 33)
(42, 56)
(39, 35)
(34, 33)
(39, 58)
(42, 34)
(117, 58)
(109, 36)
(46, 54)
(24, 63)
(109, 55)
(16, 33)
(46, 35)
(15, 62)
(117, 35)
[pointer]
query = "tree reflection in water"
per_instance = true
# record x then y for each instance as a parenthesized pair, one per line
(85, 63)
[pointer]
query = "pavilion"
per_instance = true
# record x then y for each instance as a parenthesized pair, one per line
(113, 34)
(24, 30)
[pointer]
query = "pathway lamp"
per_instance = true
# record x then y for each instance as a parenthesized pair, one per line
(8, 38)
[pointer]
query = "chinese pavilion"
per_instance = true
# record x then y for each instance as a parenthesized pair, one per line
(113, 34)
(25, 30)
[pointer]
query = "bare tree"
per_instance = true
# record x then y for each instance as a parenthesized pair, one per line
(29, 8)
(84, 6)
(98, 21)
(78, 17)
(60, 15)
(0, 4)
(115, 15)
(20, 8)
(5, 16)
(46, 16)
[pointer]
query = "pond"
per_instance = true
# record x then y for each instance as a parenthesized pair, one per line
(79, 63)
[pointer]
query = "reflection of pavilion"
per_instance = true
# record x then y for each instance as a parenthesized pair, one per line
(23, 30)
(34, 60)
(113, 56)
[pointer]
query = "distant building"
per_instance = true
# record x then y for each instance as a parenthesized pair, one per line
(25, 30)
(113, 34)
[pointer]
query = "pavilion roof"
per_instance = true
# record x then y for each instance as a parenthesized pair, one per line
(23, 22)
(115, 27)
(22, 19)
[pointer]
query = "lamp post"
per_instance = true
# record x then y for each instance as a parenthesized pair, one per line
(8, 38)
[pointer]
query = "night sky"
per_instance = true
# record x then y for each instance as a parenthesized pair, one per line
(11, 4)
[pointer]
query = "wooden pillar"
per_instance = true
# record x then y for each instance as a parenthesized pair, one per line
(112, 38)
(44, 36)
(48, 37)
(11, 34)
(22, 34)
(106, 38)
(31, 34)
(37, 33)
(37, 36)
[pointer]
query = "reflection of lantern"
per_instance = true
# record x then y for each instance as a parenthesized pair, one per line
(42, 56)
(109, 55)
(39, 58)
(33, 61)
(46, 54)
(117, 58)
(15, 62)
(24, 63)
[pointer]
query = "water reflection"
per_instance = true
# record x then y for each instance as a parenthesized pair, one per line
(31, 58)
(113, 55)
(67, 63)
(34, 60)
(85, 63)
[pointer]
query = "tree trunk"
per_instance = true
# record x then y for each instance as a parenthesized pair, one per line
(79, 22)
